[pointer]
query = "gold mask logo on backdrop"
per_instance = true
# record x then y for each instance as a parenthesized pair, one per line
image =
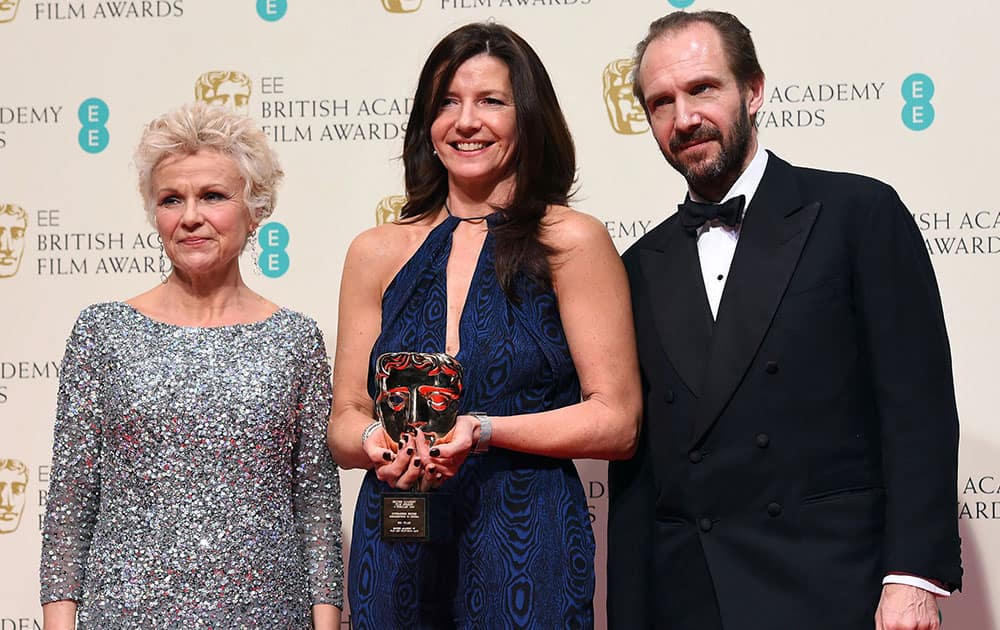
(229, 88)
(8, 10)
(401, 6)
(624, 110)
(13, 494)
(13, 226)
(389, 208)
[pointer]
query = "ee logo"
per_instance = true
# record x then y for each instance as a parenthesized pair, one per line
(93, 115)
(918, 112)
(272, 10)
(273, 259)
(681, 4)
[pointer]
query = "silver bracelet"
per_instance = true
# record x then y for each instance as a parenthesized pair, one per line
(371, 428)
(485, 432)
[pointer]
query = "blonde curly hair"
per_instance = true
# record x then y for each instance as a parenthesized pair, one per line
(197, 126)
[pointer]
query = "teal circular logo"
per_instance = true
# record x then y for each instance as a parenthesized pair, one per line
(94, 139)
(93, 115)
(918, 111)
(273, 260)
(93, 111)
(272, 10)
(681, 4)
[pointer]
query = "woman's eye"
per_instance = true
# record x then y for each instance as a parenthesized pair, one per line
(169, 201)
(214, 196)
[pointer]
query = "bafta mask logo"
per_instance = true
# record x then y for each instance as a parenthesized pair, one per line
(13, 226)
(8, 10)
(417, 390)
(13, 493)
(389, 208)
(401, 6)
(221, 87)
(624, 110)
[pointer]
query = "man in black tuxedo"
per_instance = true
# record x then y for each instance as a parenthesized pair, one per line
(797, 468)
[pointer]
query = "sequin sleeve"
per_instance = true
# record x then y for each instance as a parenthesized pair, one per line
(74, 485)
(316, 491)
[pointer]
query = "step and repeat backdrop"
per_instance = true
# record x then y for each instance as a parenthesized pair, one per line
(896, 89)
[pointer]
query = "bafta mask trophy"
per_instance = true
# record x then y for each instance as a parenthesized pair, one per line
(417, 390)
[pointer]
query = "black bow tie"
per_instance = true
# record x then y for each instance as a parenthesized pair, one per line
(694, 214)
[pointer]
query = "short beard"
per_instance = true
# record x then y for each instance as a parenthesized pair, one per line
(725, 168)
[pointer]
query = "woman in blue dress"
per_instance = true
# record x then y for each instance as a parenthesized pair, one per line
(489, 265)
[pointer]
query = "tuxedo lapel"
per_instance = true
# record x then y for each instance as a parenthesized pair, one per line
(681, 313)
(777, 225)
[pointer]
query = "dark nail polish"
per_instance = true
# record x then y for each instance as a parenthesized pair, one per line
(387, 456)
(409, 451)
(401, 444)
(417, 463)
(435, 452)
(431, 469)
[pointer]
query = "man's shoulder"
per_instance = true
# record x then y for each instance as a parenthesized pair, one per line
(833, 180)
(653, 239)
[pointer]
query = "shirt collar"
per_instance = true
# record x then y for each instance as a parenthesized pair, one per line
(748, 180)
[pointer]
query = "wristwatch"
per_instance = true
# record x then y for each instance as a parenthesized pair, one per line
(485, 432)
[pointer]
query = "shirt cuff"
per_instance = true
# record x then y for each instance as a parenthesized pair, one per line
(912, 580)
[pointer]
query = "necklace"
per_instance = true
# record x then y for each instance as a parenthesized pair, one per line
(478, 219)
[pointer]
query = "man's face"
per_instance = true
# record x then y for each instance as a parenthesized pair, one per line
(417, 394)
(13, 492)
(12, 229)
(701, 116)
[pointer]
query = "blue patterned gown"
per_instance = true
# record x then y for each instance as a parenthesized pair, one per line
(522, 549)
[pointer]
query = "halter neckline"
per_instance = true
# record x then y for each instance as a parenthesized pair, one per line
(478, 219)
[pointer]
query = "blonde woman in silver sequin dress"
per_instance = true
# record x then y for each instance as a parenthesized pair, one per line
(191, 484)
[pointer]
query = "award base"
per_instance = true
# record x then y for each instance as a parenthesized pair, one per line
(416, 517)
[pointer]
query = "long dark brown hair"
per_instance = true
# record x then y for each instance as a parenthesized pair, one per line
(545, 158)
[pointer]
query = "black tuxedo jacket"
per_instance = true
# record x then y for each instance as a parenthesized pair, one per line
(805, 443)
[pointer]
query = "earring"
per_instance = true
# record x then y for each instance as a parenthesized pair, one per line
(163, 265)
(254, 254)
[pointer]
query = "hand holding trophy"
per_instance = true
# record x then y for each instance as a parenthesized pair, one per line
(417, 391)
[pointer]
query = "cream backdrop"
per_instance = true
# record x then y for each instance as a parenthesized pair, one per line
(896, 89)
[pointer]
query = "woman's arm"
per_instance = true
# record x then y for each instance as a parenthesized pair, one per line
(74, 487)
(325, 617)
(59, 615)
(315, 480)
(371, 260)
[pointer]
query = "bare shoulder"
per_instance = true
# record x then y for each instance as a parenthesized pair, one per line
(568, 230)
(379, 252)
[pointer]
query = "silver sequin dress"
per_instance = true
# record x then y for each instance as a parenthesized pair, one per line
(191, 484)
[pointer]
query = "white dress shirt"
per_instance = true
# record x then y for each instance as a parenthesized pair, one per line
(716, 248)
(717, 242)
